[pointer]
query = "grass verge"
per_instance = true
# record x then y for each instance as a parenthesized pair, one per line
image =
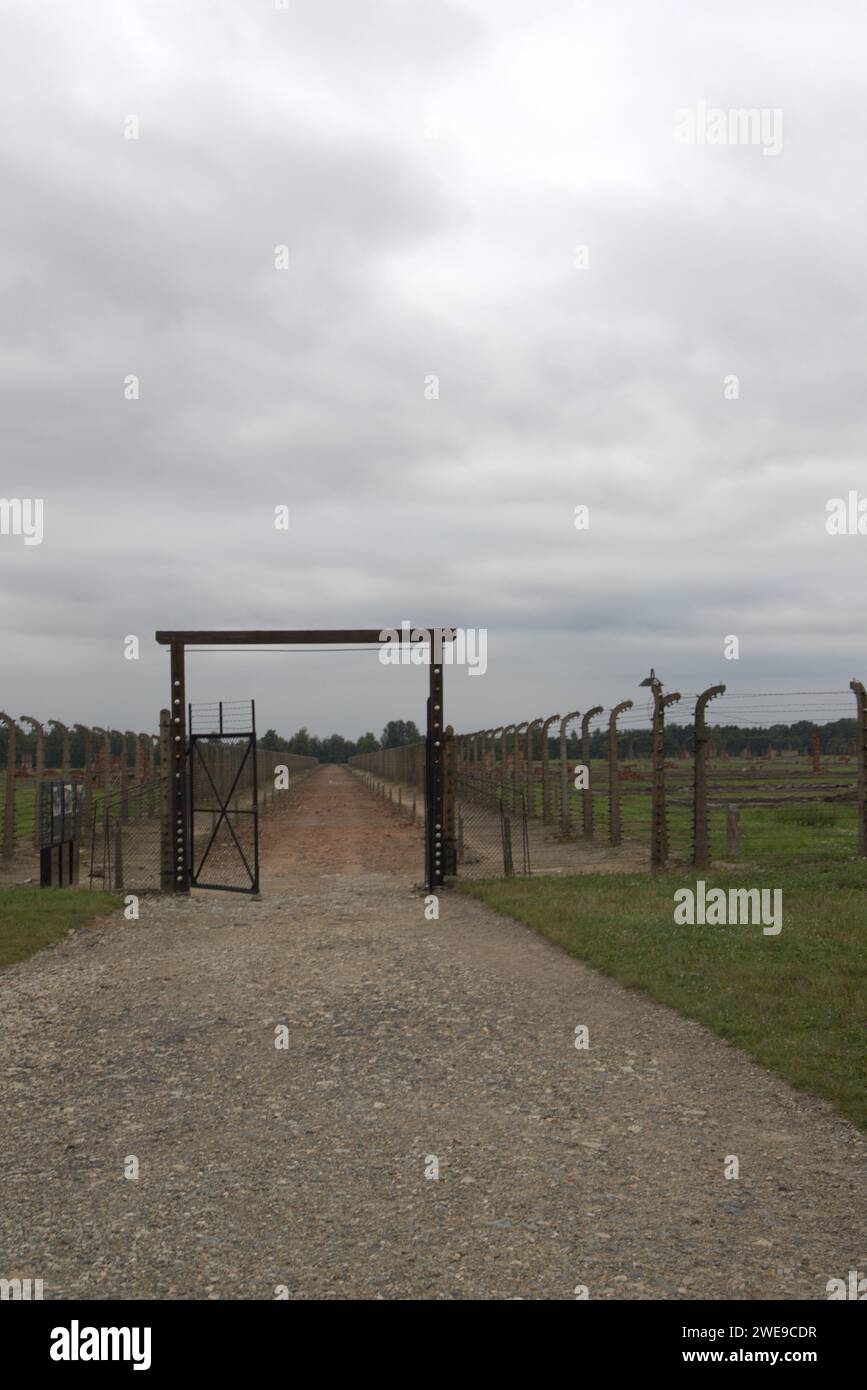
(796, 1002)
(32, 918)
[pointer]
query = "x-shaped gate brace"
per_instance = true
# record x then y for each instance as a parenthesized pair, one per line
(437, 849)
(223, 807)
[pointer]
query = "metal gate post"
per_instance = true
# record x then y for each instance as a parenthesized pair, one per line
(434, 838)
(449, 784)
(177, 772)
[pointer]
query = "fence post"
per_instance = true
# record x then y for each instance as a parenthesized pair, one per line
(700, 827)
(546, 754)
(861, 753)
(64, 748)
(504, 760)
(493, 768)
(9, 809)
(615, 829)
(39, 774)
(565, 818)
(87, 779)
(516, 764)
(530, 769)
(587, 793)
(658, 823)
(733, 831)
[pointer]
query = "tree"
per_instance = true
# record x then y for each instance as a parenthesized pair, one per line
(398, 733)
(368, 743)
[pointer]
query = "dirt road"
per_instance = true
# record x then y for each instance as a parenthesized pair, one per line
(288, 1075)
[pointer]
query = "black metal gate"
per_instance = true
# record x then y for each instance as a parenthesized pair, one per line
(223, 797)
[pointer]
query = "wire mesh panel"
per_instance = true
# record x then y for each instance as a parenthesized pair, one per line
(491, 837)
(126, 850)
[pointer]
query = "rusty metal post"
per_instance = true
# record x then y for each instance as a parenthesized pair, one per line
(587, 793)
(700, 826)
(565, 817)
(861, 754)
(176, 771)
(546, 754)
(658, 822)
(9, 808)
(166, 839)
(615, 828)
(450, 848)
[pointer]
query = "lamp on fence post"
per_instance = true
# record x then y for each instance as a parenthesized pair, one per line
(40, 773)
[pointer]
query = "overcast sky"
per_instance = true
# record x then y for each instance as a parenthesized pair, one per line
(432, 168)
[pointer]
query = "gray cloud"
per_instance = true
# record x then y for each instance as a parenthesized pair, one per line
(431, 169)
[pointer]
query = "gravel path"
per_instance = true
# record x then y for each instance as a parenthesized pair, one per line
(305, 1166)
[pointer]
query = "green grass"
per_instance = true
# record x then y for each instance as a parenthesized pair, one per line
(32, 918)
(796, 1002)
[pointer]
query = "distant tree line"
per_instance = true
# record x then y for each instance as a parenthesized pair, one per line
(337, 749)
(835, 739)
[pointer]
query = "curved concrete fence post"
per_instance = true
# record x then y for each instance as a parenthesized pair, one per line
(546, 755)
(9, 807)
(565, 816)
(587, 793)
(516, 764)
(615, 829)
(504, 760)
(861, 754)
(493, 768)
(531, 767)
(130, 769)
(39, 731)
(700, 826)
(64, 748)
(658, 820)
(87, 780)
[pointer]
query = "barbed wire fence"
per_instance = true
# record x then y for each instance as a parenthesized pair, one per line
(679, 798)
